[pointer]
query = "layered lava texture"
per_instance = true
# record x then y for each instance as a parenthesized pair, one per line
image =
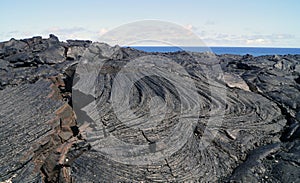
(79, 111)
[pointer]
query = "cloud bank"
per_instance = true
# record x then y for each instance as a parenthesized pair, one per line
(210, 38)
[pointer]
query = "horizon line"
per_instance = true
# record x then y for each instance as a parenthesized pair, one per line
(226, 46)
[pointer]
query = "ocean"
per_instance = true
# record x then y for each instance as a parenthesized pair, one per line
(255, 51)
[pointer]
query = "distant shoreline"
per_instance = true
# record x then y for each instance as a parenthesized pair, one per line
(255, 51)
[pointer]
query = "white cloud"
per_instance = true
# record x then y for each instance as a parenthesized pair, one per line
(152, 32)
(69, 33)
(257, 41)
(62, 33)
(209, 36)
(223, 39)
(15, 34)
(190, 27)
(102, 31)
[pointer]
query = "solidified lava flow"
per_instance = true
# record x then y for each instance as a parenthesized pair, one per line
(79, 111)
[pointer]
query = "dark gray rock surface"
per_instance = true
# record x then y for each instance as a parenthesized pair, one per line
(239, 122)
(25, 114)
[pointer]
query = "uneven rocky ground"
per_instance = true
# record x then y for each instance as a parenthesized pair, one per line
(53, 133)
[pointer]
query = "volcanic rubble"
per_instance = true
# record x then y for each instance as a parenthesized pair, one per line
(45, 138)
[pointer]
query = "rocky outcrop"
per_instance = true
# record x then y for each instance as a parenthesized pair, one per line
(275, 78)
(37, 121)
(78, 111)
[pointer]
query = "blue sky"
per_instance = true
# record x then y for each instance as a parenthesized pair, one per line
(265, 23)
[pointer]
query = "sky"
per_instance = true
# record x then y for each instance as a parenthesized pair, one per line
(255, 23)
